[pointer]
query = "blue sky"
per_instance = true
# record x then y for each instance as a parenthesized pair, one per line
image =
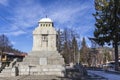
(18, 18)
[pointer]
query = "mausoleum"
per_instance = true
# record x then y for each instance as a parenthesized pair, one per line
(44, 58)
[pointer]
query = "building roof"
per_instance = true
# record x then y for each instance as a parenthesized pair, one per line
(15, 54)
(45, 20)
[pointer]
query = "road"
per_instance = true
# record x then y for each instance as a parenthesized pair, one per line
(109, 76)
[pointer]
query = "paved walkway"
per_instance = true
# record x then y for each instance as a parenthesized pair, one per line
(107, 75)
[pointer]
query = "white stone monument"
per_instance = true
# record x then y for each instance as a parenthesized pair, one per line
(44, 58)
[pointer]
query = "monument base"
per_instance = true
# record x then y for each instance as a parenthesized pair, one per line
(42, 63)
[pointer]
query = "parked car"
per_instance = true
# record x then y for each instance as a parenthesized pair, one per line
(110, 65)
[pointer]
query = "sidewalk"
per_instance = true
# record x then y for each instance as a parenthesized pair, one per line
(109, 76)
(113, 72)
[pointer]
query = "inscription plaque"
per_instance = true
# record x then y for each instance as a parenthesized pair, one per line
(43, 61)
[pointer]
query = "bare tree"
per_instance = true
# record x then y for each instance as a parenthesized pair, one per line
(67, 45)
(4, 43)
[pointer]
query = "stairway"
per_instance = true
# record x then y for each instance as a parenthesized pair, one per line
(8, 71)
(53, 58)
(42, 63)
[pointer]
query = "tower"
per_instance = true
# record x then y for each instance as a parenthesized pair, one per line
(44, 36)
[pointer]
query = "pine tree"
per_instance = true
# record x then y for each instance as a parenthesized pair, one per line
(84, 53)
(108, 24)
(75, 50)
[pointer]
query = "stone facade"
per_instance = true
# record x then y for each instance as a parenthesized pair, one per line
(44, 58)
(44, 38)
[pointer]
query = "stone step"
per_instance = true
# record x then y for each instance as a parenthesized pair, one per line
(44, 55)
(5, 74)
(2, 75)
(6, 71)
(50, 61)
(37, 59)
(31, 59)
(40, 77)
(44, 66)
(29, 63)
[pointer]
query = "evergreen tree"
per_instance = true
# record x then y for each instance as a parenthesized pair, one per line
(75, 50)
(84, 53)
(106, 55)
(108, 24)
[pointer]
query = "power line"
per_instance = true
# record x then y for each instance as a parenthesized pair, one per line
(12, 25)
(6, 20)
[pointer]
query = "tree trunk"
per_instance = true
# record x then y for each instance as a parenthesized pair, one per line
(116, 56)
(116, 36)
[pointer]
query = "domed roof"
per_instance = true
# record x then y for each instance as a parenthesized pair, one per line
(45, 20)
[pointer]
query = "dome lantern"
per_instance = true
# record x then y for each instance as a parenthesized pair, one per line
(45, 20)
